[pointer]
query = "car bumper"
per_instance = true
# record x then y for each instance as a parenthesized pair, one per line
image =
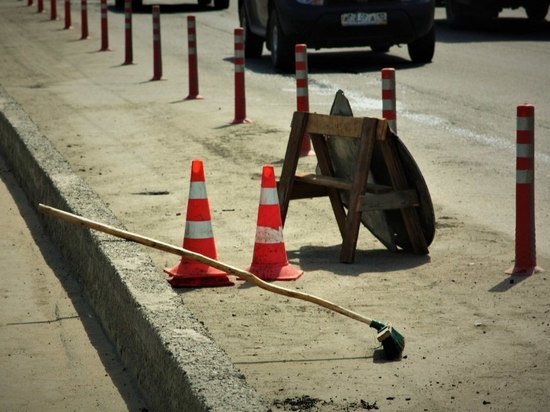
(321, 27)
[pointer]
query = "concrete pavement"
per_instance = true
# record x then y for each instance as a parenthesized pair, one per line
(54, 355)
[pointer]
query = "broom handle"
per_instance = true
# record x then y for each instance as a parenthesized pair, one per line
(156, 244)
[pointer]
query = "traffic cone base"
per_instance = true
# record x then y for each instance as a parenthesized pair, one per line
(270, 263)
(191, 274)
(275, 272)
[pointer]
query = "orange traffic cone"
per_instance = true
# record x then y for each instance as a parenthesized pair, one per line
(198, 238)
(269, 261)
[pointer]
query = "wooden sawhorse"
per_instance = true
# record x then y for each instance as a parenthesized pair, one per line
(371, 132)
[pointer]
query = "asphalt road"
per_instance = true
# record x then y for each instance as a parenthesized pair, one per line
(463, 103)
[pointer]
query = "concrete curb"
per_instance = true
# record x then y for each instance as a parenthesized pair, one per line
(171, 354)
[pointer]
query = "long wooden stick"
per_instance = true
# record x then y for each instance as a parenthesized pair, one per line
(156, 244)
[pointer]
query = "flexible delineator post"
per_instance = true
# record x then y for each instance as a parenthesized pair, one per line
(526, 256)
(128, 46)
(67, 14)
(104, 27)
(53, 10)
(192, 59)
(388, 98)
(240, 96)
(84, 19)
(157, 52)
(302, 91)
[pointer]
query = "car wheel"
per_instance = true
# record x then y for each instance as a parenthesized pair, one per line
(536, 11)
(282, 50)
(457, 18)
(422, 49)
(253, 44)
(221, 4)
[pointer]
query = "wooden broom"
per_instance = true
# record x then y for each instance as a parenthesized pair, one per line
(392, 341)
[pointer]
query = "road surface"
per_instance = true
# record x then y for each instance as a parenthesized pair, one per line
(474, 339)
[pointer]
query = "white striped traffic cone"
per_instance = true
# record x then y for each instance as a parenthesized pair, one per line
(198, 238)
(270, 261)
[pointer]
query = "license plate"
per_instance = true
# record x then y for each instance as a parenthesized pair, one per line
(364, 19)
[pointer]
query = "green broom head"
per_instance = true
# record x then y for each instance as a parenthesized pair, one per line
(392, 341)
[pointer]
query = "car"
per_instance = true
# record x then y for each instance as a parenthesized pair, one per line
(463, 13)
(378, 24)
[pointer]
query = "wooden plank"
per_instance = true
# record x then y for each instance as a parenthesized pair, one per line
(339, 126)
(327, 181)
(304, 190)
(360, 176)
(292, 155)
(339, 183)
(399, 182)
(392, 200)
(382, 129)
(375, 188)
(323, 158)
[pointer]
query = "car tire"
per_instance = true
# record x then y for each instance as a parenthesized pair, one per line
(253, 44)
(536, 11)
(221, 4)
(457, 17)
(422, 49)
(282, 50)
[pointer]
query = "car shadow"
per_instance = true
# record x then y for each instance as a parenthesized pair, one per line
(496, 30)
(348, 61)
(168, 8)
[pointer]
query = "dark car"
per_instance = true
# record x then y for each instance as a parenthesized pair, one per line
(462, 13)
(319, 24)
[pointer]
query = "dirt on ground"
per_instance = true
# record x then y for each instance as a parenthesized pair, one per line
(476, 339)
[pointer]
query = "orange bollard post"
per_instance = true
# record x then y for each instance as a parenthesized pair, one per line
(192, 59)
(157, 51)
(240, 94)
(67, 14)
(84, 19)
(104, 27)
(53, 10)
(389, 111)
(302, 92)
(128, 44)
(526, 255)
